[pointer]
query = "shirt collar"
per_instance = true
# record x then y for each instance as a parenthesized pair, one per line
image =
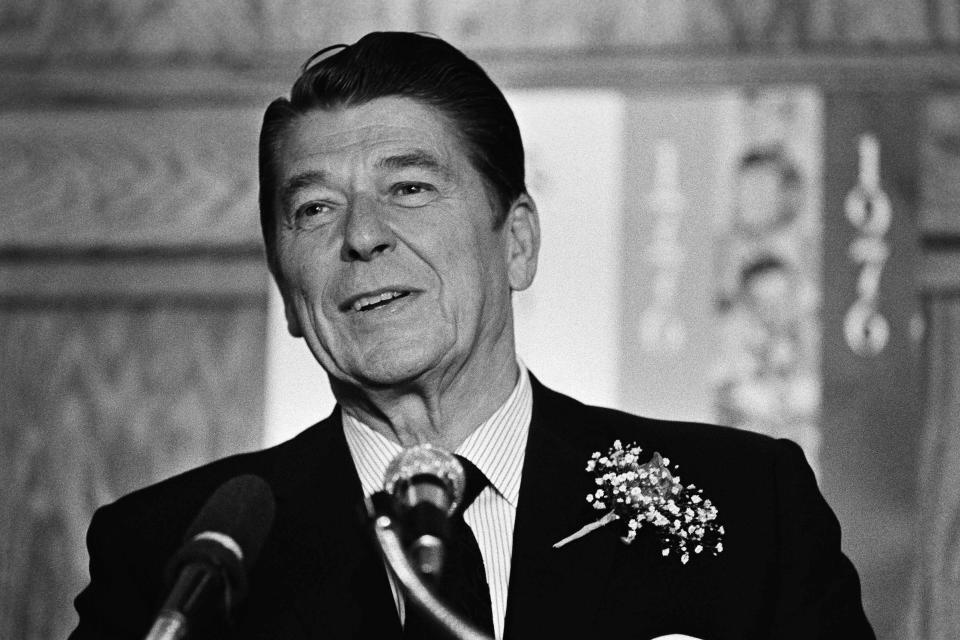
(497, 446)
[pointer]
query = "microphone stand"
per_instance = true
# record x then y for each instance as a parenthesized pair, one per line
(386, 531)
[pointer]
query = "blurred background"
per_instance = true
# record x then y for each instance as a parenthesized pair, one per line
(750, 209)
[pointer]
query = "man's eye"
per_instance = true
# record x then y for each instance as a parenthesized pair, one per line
(413, 194)
(410, 189)
(312, 209)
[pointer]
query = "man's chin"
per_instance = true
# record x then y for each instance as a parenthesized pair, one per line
(384, 373)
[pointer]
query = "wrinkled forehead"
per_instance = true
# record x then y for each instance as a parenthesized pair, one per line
(368, 132)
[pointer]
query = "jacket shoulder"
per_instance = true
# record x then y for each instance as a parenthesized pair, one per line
(131, 539)
(604, 425)
(177, 499)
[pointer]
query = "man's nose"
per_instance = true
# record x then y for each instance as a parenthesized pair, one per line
(366, 234)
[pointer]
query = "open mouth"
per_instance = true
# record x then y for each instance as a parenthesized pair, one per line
(369, 303)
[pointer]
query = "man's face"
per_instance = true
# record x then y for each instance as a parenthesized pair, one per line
(386, 245)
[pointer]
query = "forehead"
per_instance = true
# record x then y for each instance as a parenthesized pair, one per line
(368, 132)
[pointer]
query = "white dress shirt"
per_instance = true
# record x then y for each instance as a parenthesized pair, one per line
(497, 447)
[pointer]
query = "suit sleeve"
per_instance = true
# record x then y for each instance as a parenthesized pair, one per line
(112, 606)
(819, 590)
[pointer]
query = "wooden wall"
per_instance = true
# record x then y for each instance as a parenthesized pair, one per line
(132, 323)
(935, 606)
(132, 287)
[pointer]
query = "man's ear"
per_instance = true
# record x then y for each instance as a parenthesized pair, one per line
(522, 227)
(293, 323)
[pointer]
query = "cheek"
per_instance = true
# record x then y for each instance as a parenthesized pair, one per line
(480, 269)
(461, 260)
(302, 268)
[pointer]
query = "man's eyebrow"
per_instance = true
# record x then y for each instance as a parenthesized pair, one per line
(418, 159)
(297, 182)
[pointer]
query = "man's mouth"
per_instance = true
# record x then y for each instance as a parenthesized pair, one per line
(368, 303)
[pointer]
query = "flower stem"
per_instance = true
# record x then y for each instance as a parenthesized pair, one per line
(605, 520)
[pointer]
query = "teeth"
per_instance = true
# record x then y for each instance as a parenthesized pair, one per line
(371, 300)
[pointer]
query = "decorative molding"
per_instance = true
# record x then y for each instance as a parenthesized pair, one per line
(829, 69)
(255, 83)
(203, 279)
(82, 180)
(245, 29)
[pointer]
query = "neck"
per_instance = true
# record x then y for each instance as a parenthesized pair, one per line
(440, 409)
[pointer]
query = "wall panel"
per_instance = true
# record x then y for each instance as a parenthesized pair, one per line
(872, 404)
(95, 402)
(934, 612)
(132, 322)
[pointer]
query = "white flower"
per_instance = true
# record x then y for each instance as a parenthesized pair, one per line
(650, 493)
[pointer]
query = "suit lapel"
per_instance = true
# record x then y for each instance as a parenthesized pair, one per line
(326, 552)
(556, 592)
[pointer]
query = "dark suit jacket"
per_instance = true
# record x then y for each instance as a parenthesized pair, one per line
(781, 574)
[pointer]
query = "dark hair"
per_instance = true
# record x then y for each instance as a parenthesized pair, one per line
(423, 68)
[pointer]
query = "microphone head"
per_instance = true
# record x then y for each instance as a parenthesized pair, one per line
(240, 510)
(228, 532)
(424, 472)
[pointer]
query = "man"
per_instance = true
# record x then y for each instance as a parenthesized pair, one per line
(397, 226)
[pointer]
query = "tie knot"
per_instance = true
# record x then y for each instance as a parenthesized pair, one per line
(476, 481)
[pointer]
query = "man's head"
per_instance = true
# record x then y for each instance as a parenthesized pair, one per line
(395, 214)
(419, 67)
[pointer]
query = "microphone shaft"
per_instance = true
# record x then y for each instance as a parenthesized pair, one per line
(195, 584)
(169, 625)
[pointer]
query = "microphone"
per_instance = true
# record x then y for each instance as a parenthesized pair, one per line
(220, 548)
(427, 484)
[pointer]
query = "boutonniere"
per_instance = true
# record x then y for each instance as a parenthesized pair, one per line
(649, 494)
